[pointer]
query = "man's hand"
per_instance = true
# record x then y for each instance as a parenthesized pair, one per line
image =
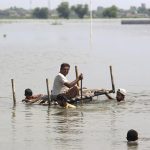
(80, 76)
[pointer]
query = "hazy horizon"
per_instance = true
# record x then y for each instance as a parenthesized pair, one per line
(27, 4)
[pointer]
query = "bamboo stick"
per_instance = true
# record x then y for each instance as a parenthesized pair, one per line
(13, 91)
(76, 71)
(112, 80)
(48, 93)
(81, 93)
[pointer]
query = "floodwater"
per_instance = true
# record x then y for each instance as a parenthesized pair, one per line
(32, 50)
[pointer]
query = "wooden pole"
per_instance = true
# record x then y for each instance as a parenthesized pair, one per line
(48, 93)
(81, 93)
(76, 71)
(13, 91)
(112, 79)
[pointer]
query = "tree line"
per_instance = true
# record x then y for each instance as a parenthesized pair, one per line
(76, 11)
(64, 10)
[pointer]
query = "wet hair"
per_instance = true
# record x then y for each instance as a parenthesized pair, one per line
(64, 65)
(132, 135)
(28, 92)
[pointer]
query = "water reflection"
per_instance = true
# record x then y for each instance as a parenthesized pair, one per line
(48, 118)
(132, 146)
(70, 122)
(28, 113)
(13, 123)
(68, 128)
(13, 112)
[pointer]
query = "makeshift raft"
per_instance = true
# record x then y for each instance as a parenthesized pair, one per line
(87, 96)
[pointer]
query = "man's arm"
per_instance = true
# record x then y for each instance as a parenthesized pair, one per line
(107, 92)
(108, 96)
(32, 101)
(103, 91)
(73, 83)
(35, 99)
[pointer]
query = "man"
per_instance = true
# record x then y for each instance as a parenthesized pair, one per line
(30, 98)
(62, 86)
(132, 137)
(120, 96)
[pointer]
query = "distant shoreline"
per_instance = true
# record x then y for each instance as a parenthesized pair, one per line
(61, 21)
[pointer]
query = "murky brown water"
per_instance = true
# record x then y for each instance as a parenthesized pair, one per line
(33, 50)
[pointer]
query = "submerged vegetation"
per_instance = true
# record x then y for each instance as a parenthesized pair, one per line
(64, 10)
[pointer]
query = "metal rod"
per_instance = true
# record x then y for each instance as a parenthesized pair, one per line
(48, 93)
(13, 91)
(112, 79)
(76, 71)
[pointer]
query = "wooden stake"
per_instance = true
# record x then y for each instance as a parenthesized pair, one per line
(112, 80)
(13, 91)
(81, 93)
(48, 93)
(76, 71)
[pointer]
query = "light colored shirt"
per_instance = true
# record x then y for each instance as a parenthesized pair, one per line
(58, 85)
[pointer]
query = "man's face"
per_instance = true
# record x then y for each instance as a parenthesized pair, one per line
(119, 97)
(65, 70)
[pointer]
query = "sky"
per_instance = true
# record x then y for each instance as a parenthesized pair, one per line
(27, 4)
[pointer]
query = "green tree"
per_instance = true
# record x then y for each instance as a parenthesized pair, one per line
(63, 10)
(81, 10)
(41, 13)
(44, 13)
(148, 12)
(35, 12)
(110, 12)
(142, 9)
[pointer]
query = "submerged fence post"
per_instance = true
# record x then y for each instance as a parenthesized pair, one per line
(112, 79)
(13, 91)
(76, 71)
(48, 93)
